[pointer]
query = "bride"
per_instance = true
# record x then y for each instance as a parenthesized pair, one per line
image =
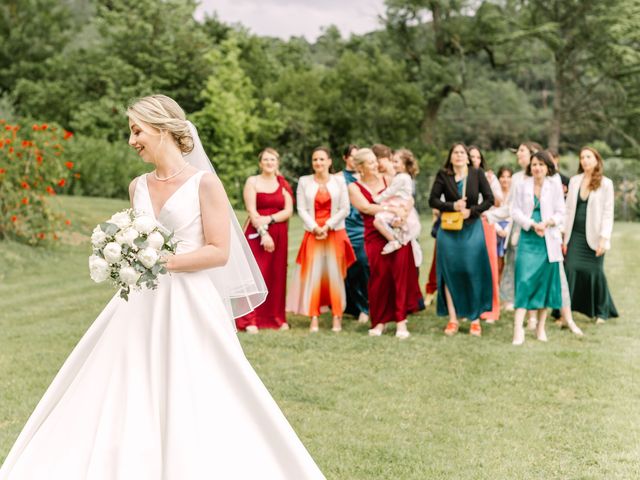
(159, 388)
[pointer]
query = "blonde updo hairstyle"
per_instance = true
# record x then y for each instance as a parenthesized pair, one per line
(163, 113)
(361, 156)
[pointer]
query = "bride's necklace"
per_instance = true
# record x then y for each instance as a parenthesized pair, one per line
(161, 179)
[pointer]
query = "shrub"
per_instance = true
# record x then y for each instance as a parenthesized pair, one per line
(104, 169)
(32, 167)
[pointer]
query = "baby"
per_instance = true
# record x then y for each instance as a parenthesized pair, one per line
(399, 194)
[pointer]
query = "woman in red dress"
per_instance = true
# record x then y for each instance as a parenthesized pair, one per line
(394, 291)
(268, 198)
(325, 252)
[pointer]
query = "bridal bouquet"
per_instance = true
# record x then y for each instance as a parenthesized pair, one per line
(128, 249)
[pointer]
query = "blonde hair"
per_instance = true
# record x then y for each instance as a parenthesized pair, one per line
(270, 150)
(361, 156)
(163, 113)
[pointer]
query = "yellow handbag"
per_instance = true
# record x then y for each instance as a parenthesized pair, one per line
(453, 220)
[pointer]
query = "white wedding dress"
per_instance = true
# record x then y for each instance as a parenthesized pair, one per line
(159, 388)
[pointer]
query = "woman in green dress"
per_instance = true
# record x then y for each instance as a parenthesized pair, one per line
(462, 262)
(588, 226)
(538, 208)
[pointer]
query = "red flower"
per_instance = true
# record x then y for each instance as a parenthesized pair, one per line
(25, 201)
(16, 128)
(67, 135)
(44, 126)
(69, 165)
(10, 149)
(62, 182)
(7, 127)
(25, 185)
(41, 236)
(39, 159)
(25, 143)
(67, 222)
(50, 190)
(36, 127)
(76, 175)
(2, 171)
(14, 219)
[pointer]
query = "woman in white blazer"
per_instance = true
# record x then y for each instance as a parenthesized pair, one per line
(587, 236)
(325, 253)
(538, 209)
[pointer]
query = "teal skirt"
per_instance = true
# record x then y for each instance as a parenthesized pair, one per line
(462, 264)
(537, 281)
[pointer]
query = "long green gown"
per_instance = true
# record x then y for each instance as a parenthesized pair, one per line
(537, 281)
(585, 272)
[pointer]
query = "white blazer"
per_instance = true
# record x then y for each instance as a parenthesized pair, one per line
(599, 223)
(551, 207)
(306, 195)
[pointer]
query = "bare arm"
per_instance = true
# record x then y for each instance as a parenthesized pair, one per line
(216, 223)
(132, 190)
(361, 204)
(249, 197)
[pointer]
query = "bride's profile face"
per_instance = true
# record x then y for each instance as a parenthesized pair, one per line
(145, 139)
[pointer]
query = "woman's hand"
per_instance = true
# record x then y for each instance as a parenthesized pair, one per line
(261, 221)
(600, 250)
(267, 243)
(539, 228)
(501, 233)
(321, 232)
(460, 205)
(564, 250)
(167, 260)
(466, 213)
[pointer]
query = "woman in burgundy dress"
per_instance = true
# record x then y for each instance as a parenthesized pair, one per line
(394, 291)
(268, 198)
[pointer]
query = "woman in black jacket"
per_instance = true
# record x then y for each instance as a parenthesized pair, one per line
(462, 262)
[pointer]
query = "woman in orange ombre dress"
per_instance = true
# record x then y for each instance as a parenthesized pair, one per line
(325, 252)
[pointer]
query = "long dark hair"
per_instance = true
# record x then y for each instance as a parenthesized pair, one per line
(483, 164)
(347, 150)
(447, 167)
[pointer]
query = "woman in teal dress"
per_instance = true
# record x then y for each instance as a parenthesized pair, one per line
(588, 227)
(538, 208)
(462, 263)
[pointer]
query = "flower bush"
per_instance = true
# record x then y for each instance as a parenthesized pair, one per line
(32, 169)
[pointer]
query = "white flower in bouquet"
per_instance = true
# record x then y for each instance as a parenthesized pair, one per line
(144, 224)
(112, 252)
(98, 269)
(129, 275)
(98, 237)
(155, 240)
(127, 237)
(130, 248)
(121, 219)
(148, 256)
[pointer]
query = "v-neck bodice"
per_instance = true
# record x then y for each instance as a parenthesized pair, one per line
(179, 214)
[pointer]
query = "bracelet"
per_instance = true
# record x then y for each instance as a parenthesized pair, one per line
(273, 220)
(262, 230)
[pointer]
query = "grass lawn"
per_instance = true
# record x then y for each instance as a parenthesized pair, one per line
(377, 408)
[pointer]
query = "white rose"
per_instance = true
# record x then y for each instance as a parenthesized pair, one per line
(98, 269)
(127, 236)
(98, 237)
(129, 275)
(112, 252)
(148, 257)
(155, 240)
(121, 219)
(144, 224)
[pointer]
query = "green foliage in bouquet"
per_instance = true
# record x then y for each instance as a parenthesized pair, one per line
(33, 168)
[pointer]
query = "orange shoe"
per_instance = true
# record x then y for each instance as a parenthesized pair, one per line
(451, 329)
(475, 330)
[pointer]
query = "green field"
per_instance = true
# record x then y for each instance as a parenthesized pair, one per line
(377, 408)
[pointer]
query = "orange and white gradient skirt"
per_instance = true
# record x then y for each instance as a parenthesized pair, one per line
(317, 283)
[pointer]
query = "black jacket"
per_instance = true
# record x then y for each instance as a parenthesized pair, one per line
(476, 183)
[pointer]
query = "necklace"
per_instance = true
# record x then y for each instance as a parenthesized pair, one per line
(160, 179)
